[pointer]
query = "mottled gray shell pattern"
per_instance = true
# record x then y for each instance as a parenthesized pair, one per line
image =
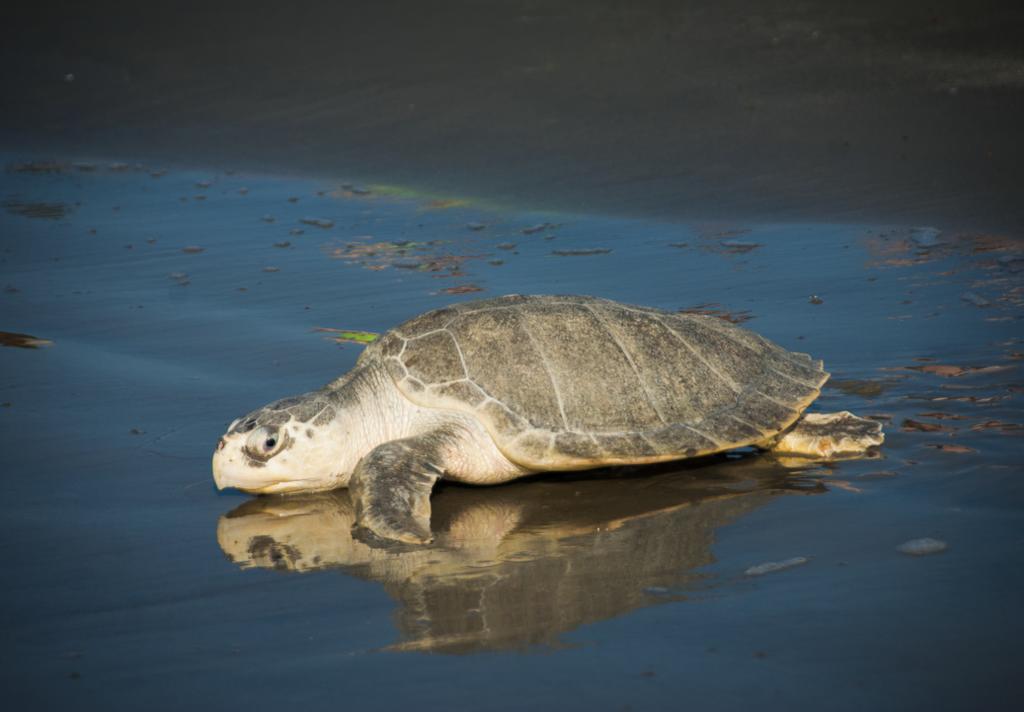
(578, 381)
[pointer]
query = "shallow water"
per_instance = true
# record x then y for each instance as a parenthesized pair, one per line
(173, 306)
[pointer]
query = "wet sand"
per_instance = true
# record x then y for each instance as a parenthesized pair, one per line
(165, 303)
(180, 222)
(844, 112)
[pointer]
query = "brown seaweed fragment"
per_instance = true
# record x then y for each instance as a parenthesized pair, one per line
(22, 341)
(951, 447)
(462, 289)
(910, 425)
(718, 311)
(45, 211)
(1000, 425)
(582, 253)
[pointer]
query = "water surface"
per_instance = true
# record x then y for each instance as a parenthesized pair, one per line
(177, 299)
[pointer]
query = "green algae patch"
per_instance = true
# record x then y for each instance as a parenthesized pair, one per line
(426, 199)
(347, 336)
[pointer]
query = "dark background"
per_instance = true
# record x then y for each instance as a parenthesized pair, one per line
(855, 111)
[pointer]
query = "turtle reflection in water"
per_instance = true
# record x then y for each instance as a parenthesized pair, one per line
(489, 391)
(518, 566)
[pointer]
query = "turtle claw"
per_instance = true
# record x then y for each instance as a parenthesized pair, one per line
(390, 541)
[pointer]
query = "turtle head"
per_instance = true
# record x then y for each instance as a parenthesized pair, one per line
(286, 446)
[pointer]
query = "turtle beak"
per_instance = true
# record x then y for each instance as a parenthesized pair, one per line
(222, 465)
(218, 473)
(217, 470)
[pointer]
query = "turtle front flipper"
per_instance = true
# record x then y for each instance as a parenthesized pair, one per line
(391, 489)
(827, 435)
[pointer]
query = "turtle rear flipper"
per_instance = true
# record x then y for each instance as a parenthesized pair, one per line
(826, 435)
(391, 489)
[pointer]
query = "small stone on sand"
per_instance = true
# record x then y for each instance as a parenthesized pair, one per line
(772, 566)
(538, 228)
(739, 246)
(922, 547)
(926, 237)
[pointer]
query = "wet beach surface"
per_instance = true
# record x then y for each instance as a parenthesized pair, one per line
(170, 302)
(904, 112)
(186, 232)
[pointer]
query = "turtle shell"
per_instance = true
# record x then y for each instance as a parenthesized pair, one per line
(566, 382)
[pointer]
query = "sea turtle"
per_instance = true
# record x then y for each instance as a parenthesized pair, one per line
(488, 391)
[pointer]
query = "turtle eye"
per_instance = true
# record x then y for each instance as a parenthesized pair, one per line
(263, 443)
